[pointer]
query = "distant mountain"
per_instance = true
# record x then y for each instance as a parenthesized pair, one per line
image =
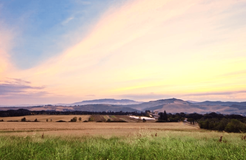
(170, 105)
(108, 101)
(89, 107)
(177, 105)
(150, 104)
(103, 107)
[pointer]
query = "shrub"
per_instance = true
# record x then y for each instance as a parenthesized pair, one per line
(235, 126)
(23, 119)
(222, 124)
(74, 119)
(91, 119)
(60, 121)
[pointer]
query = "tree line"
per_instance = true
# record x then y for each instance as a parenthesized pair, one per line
(24, 112)
(210, 121)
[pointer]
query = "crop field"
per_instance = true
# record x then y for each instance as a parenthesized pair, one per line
(105, 140)
(44, 118)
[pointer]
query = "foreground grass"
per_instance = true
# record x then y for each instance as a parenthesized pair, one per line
(172, 145)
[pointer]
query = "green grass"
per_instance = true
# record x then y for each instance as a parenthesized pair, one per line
(171, 145)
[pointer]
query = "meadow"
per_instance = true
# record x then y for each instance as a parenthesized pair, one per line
(104, 140)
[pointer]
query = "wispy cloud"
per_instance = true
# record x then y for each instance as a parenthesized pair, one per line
(67, 20)
(149, 96)
(16, 86)
(217, 93)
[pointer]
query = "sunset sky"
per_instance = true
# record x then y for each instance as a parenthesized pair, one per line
(63, 51)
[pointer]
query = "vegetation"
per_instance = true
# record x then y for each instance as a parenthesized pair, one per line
(74, 119)
(163, 117)
(211, 121)
(23, 119)
(228, 125)
(24, 112)
(91, 119)
(173, 145)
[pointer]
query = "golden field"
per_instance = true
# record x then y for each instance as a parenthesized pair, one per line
(85, 128)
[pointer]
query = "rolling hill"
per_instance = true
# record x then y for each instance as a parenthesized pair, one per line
(170, 105)
(108, 101)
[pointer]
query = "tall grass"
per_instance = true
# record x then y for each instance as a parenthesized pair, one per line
(144, 145)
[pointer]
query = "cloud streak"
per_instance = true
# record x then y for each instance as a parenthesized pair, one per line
(16, 86)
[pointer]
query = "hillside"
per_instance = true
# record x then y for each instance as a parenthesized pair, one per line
(107, 101)
(170, 105)
(178, 105)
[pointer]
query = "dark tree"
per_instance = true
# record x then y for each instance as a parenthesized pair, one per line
(165, 116)
(23, 119)
(74, 119)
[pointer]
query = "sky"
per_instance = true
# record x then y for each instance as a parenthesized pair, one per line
(72, 50)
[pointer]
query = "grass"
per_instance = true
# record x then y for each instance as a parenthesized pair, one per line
(142, 145)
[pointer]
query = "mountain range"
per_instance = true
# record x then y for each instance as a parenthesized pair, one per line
(170, 105)
(108, 101)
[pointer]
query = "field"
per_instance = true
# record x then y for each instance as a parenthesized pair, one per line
(103, 140)
(43, 118)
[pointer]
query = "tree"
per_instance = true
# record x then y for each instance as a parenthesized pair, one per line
(235, 126)
(74, 119)
(147, 113)
(91, 119)
(23, 119)
(165, 116)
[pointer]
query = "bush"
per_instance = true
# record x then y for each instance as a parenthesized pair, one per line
(23, 119)
(91, 119)
(74, 119)
(222, 125)
(60, 121)
(235, 126)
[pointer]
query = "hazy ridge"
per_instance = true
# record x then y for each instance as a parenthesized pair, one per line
(170, 105)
